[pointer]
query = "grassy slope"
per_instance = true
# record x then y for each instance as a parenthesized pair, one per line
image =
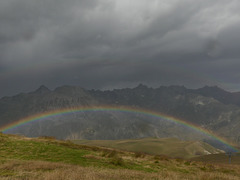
(219, 158)
(25, 158)
(167, 146)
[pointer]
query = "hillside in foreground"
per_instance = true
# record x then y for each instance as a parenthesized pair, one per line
(171, 147)
(47, 158)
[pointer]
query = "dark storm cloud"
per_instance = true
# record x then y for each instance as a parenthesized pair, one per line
(110, 43)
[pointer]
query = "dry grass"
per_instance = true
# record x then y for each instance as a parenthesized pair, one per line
(38, 170)
(51, 171)
(22, 158)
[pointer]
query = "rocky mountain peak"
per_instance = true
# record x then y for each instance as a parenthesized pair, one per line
(42, 89)
(211, 88)
(214, 91)
(141, 86)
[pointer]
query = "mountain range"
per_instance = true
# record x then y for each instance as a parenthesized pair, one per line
(211, 108)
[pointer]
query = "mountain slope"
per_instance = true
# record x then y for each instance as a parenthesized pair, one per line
(219, 94)
(194, 106)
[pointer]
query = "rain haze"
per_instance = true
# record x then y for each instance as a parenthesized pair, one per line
(106, 44)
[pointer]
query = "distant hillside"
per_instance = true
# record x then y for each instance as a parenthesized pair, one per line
(209, 107)
(171, 147)
(222, 158)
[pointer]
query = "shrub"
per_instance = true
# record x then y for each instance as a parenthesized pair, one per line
(161, 157)
(187, 163)
(112, 154)
(139, 155)
(118, 161)
(47, 137)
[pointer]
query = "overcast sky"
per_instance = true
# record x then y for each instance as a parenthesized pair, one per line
(109, 44)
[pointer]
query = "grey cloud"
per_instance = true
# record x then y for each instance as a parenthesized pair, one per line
(105, 43)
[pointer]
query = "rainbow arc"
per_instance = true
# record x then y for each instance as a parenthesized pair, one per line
(146, 112)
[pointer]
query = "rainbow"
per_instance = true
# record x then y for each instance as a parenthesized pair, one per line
(116, 109)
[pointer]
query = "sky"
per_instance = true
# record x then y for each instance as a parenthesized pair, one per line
(107, 44)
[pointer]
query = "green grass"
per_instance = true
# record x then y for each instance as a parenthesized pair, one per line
(15, 147)
(47, 158)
